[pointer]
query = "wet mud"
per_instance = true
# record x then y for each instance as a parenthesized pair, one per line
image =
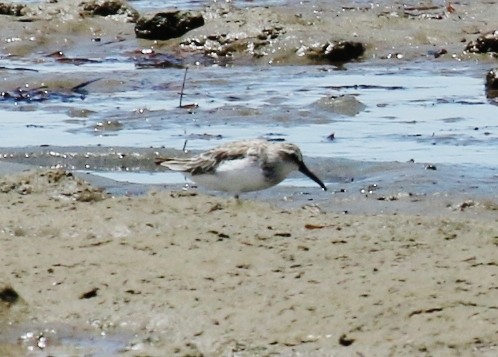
(182, 273)
(388, 31)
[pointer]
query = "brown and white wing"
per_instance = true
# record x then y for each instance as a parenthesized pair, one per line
(208, 161)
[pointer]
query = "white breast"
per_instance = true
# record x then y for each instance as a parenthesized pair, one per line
(235, 176)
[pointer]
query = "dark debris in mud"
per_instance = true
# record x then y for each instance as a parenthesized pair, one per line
(492, 79)
(485, 43)
(204, 136)
(44, 93)
(89, 294)
(20, 69)
(60, 57)
(8, 295)
(492, 86)
(152, 59)
(334, 51)
(365, 87)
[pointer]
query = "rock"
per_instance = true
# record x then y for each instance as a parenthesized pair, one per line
(12, 305)
(439, 53)
(345, 340)
(485, 43)
(492, 79)
(166, 25)
(89, 294)
(335, 51)
(12, 9)
(344, 105)
(236, 35)
(110, 8)
(492, 86)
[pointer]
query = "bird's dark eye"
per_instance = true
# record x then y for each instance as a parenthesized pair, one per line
(295, 158)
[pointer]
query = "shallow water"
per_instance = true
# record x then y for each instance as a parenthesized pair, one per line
(365, 114)
(420, 111)
(61, 340)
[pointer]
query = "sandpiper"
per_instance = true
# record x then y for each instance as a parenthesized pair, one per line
(242, 166)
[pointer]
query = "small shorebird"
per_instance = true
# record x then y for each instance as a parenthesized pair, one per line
(242, 166)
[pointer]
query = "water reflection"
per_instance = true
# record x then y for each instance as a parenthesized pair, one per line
(418, 112)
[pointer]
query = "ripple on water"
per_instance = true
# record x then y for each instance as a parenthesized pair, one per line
(424, 111)
(61, 339)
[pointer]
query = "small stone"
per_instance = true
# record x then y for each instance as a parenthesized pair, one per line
(439, 53)
(484, 43)
(336, 51)
(89, 294)
(345, 340)
(8, 295)
(492, 79)
(12, 9)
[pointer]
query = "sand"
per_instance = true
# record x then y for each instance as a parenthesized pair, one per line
(181, 273)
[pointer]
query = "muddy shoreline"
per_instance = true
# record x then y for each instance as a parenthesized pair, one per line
(181, 273)
(260, 35)
(357, 187)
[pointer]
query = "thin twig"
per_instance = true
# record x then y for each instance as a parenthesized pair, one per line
(183, 86)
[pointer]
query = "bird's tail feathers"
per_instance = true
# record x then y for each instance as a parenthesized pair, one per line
(174, 164)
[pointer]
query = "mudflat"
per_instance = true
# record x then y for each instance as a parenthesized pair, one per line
(180, 273)
(390, 31)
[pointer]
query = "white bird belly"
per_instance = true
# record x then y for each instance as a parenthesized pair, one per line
(236, 176)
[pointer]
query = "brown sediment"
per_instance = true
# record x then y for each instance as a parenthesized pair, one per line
(190, 273)
(258, 35)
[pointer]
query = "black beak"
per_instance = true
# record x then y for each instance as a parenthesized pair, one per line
(303, 169)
